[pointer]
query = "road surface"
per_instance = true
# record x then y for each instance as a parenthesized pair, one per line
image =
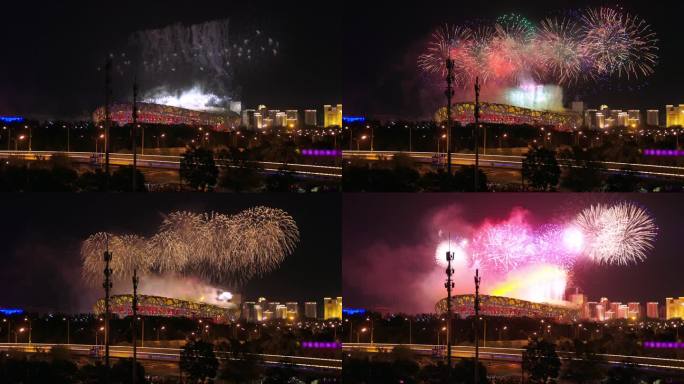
(164, 162)
(170, 355)
(510, 162)
(510, 355)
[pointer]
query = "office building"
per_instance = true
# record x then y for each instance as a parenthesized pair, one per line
(674, 116)
(652, 117)
(332, 116)
(674, 308)
(332, 308)
(635, 308)
(310, 310)
(310, 118)
(652, 310)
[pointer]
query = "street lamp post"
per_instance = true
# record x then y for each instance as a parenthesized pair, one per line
(135, 326)
(477, 314)
(107, 285)
(449, 285)
(477, 127)
(449, 93)
(9, 328)
(133, 131)
(67, 329)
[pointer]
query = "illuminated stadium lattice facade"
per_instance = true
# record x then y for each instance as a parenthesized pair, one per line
(121, 113)
(463, 305)
(121, 305)
(492, 113)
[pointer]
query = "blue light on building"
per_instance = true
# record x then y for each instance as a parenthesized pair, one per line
(11, 311)
(353, 119)
(11, 119)
(353, 311)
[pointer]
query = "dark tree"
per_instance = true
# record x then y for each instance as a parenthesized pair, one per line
(627, 373)
(540, 361)
(241, 173)
(586, 366)
(122, 372)
(464, 369)
(198, 360)
(540, 169)
(586, 173)
(243, 366)
(623, 181)
(198, 169)
(121, 180)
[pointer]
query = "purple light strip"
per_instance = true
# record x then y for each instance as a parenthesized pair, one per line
(663, 152)
(663, 344)
(321, 344)
(321, 152)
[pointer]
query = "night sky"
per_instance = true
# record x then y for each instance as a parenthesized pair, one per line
(51, 51)
(40, 239)
(383, 41)
(390, 241)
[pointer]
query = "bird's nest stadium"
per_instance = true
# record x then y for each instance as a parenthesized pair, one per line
(122, 306)
(464, 306)
(492, 113)
(149, 113)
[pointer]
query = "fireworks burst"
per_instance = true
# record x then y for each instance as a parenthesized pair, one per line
(229, 248)
(132, 253)
(620, 234)
(618, 42)
(600, 43)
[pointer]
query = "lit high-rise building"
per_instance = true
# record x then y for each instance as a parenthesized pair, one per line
(615, 306)
(578, 299)
(281, 311)
(248, 118)
(652, 117)
(674, 116)
(332, 116)
(601, 120)
(600, 312)
(267, 315)
(622, 119)
(310, 310)
(310, 117)
(634, 118)
(292, 118)
(281, 119)
(258, 120)
(623, 311)
(590, 310)
(652, 310)
(293, 309)
(590, 119)
(332, 308)
(610, 315)
(634, 307)
(248, 311)
(674, 308)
